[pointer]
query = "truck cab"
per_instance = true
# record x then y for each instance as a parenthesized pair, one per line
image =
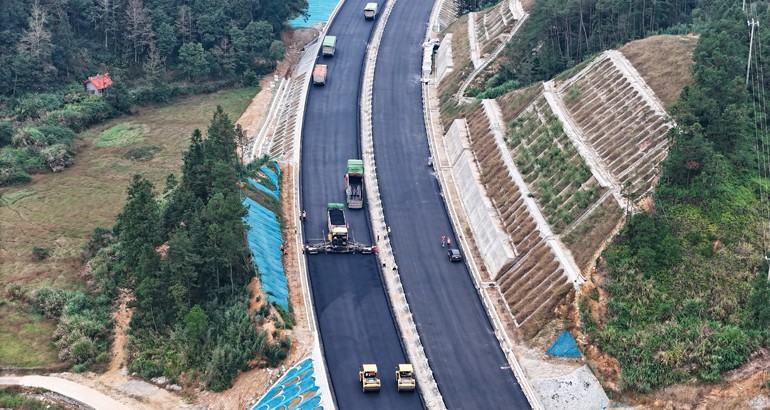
(370, 11)
(329, 46)
(405, 377)
(368, 378)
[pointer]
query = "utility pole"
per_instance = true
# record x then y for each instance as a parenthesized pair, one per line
(753, 23)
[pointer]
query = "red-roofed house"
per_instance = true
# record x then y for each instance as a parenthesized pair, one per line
(97, 84)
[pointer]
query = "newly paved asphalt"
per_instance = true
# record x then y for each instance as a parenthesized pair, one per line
(466, 359)
(351, 307)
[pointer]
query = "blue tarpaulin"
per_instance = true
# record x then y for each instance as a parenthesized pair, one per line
(296, 390)
(265, 242)
(565, 346)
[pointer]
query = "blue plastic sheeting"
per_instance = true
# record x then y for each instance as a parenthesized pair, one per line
(565, 346)
(318, 12)
(265, 242)
(297, 386)
(273, 177)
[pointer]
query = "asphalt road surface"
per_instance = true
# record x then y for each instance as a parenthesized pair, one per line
(353, 314)
(466, 359)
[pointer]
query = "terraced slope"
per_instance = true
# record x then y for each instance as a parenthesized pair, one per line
(621, 126)
(551, 166)
(492, 22)
(606, 152)
(535, 283)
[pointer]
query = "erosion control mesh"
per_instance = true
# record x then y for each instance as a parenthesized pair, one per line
(266, 243)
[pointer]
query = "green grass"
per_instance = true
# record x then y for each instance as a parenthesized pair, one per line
(25, 338)
(12, 197)
(17, 397)
(59, 211)
(121, 135)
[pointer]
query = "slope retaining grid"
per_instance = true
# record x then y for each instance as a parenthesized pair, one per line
(520, 17)
(492, 109)
(426, 383)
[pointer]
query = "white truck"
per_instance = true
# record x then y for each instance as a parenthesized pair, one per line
(370, 11)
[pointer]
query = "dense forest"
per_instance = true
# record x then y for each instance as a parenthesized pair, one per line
(688, 282)
(153, 50)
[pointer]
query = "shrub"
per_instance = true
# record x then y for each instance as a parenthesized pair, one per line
(6, 134)
(57, 157)
(83, 327)
(143, 153)
(100, 238)
(40, 253)
(51, 301)
(274, 355)
(14, 177)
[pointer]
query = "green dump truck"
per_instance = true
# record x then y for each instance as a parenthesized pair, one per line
(329, 46)
(354, 184)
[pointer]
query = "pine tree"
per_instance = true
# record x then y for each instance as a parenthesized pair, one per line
(138, 226)
(178, 271)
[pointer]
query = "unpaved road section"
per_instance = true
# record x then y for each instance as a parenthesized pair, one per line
(75, 391)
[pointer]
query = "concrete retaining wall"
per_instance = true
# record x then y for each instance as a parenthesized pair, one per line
(492, 241)
(444, 59)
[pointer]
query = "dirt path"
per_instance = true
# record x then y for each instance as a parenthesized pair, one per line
(69, 389)
(121, 317)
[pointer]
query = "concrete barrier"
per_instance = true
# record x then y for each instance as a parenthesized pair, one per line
(444, 58)
(493, 243)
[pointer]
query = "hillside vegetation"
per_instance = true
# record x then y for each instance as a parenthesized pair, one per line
(562, 33)
(686, 283)
(154, 51)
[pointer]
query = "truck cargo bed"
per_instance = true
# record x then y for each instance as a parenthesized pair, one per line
(337, 217)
